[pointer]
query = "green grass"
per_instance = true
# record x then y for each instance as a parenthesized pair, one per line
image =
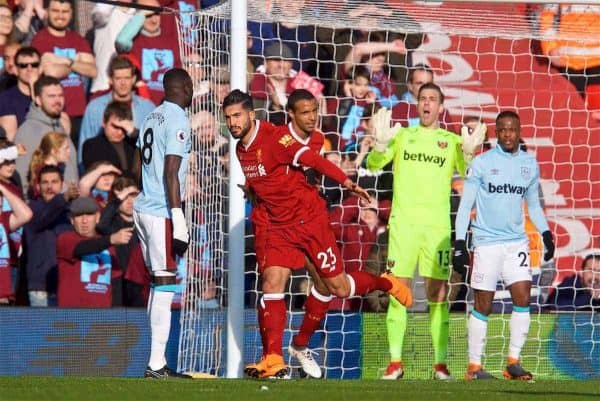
(84, 388)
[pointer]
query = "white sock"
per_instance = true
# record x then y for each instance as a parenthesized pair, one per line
(519, 328)
(477, 331)
(159, 307)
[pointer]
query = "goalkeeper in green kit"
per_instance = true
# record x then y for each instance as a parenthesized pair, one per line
(424, 158)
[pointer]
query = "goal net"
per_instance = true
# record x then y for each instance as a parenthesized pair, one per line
(487, 57)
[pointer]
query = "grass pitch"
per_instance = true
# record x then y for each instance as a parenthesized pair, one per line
(101, 388)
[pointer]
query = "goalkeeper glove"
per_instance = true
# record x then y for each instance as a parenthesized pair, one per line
(460, 258)
(181, 238)
(472, 139)
(549, 245)
(383, 132)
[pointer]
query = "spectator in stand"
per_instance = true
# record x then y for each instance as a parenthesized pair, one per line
(98, 181)
(189, 23)
(122, 79)
(580, 291)
(271, 85)
(344, 114)
(195, 65)
(50, 218)
(108, 20)
(15, 213)
(29, 20)
(8, 77)
(578, 60)
(156, 51)
(45, 115)
(89, 275)
(299, 38)
(373, 55)
(116, 144)
(356, 225)
(219, 88)
(405, 112)
(6, 29)
(66, 55)
(54, 150)
(334, 45)
(118, 214)
(15, 101)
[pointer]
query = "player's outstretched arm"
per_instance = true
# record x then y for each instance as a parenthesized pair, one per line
(383, 150)
(357, 189)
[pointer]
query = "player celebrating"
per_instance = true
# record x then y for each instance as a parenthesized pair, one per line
(425, 158)
(164, 147)
(497, 182)
(298, 225)
(300, 107)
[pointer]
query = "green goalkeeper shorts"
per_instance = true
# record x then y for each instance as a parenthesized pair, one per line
(427, 247)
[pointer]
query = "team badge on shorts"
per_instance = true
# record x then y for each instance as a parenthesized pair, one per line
(391, 263)
(181, 136)
(442, 144)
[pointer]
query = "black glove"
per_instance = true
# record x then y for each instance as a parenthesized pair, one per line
(460, 258)
(549, 245)
(179, 247)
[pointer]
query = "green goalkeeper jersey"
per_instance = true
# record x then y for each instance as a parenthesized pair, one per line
(424, 162)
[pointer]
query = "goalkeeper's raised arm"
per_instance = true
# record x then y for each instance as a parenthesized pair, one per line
(383, 149)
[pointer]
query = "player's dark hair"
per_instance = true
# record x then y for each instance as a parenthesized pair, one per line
(121, 110)
(297, 96)
(49, 168)
(42, 82)
(418, 67)
(174, 82)
(431, 85)
(236, 96)
(594, 256)
(508, 114)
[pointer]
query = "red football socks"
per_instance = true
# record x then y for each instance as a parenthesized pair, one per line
(365, 283)
(272, 319)
(314, 311)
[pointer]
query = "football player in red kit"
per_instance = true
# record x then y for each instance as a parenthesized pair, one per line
(272, 159)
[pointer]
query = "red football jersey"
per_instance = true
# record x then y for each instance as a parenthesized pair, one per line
(270, 164)
(315, 142)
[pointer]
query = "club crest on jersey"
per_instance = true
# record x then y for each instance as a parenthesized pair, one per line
(442, 144)
(526, 172)
(391, 263)
(259, 155)
(286, 140)
(494, 171)
(181, 136)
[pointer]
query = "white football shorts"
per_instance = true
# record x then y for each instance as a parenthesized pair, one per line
(156, 235)
(507, 262)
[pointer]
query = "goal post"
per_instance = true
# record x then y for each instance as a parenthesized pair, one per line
(487, 57)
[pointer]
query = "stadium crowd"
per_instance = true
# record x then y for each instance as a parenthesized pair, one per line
(71, 104)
